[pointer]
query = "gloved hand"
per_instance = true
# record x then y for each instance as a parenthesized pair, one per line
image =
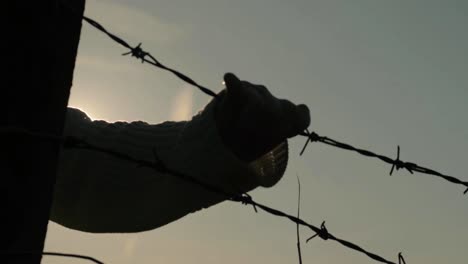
(251, 121)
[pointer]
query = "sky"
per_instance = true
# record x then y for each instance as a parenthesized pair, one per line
(375, 74)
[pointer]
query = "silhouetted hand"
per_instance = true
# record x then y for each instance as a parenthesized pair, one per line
(251, 121)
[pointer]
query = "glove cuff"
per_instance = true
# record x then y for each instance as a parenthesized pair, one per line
(270, 167)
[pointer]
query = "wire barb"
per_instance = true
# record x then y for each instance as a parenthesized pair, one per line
(322, 233)
(401, 260)
(137, 52)
(245, 199)
(311, 137)
(398, 164)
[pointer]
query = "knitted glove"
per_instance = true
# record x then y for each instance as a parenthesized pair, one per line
(252, 121)
(254, 124)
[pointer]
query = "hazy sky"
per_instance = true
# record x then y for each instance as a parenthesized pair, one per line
(374, 73)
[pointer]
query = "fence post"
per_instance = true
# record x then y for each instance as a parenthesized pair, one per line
(42, 40)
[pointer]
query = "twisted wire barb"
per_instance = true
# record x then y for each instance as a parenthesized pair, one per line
(401, 260)
(45, 253)
(397, 164)
(157, 165)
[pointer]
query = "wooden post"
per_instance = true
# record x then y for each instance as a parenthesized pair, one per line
(42, 40)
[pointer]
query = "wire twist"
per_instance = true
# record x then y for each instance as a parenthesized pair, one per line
(137, 52)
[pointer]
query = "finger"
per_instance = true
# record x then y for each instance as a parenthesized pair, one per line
(297, 118)
(233, 85)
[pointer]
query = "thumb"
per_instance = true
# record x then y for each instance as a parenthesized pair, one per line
(234, 86)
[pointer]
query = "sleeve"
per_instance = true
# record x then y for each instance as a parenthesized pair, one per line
(99, 193)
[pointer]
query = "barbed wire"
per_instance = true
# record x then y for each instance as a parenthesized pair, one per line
(159, 166)
(142, 55)
(397, 164)
(46, 253)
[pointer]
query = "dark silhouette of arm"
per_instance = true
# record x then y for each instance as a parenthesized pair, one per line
(96, 192)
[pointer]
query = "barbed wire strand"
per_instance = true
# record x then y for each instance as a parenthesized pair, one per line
(139, 53)
(46, 253)
(157, 165)
(397, 164)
